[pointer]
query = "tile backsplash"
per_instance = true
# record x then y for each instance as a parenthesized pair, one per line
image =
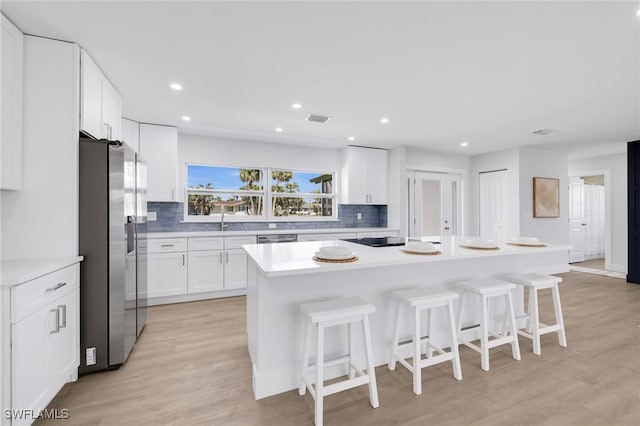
(169, 218)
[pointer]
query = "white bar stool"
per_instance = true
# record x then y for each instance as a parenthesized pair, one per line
(535, 328)
(421, 299)
(486, 289)
(328, 314)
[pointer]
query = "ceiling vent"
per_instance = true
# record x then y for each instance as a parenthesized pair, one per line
(317, 118)
(541, 132)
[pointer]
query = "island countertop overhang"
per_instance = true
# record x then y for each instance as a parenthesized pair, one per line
(284, 259)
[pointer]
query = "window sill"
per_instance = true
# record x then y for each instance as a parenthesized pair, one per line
(260, 220)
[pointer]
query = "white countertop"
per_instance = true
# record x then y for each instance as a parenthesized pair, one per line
(296, 258)
(19, 271)
(263, 232)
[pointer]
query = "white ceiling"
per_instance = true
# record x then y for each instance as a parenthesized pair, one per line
(444, 72)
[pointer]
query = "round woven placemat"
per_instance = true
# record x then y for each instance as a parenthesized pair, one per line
(435, 253)
(479, 248)
(353, 259)
(526, 245)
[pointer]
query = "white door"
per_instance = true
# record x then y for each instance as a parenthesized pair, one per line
(434, 204)
(62, 350)
(205, 271)
(576, 219)
(493, 222)
(235, 269)
(167, 274)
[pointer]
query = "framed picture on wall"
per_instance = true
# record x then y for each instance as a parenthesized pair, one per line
(546, 197)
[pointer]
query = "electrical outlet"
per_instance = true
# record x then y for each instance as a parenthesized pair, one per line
(272, 226)
(152, 216)
(359, 216)
(91, 356)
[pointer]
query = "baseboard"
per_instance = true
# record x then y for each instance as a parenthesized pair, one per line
(616, 267)
(167, 300)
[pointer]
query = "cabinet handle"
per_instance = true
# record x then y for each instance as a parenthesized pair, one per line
(57, 286)
(183, 260)
(226, 256)
(166, 245)
(220, 257)
(57, 330)
(64, 316)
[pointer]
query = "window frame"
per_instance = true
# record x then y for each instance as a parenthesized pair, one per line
(267, 195)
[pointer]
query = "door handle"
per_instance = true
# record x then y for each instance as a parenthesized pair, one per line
(226, 256)
(446, 228)
(183, 260)
(64, 316)
(220, 257)
(57, 329)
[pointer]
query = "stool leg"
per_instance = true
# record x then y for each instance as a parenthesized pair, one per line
(457, 370)
(532, 291)
(305, 359)
(535, 322)
(459, 315)
(562, 336)
(320, 376)
(351, 328)
(371, 369)
(429, 333)
(417, 354)
(396, 337)
(515, 345)
(484, 336)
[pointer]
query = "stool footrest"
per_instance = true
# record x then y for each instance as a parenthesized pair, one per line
(346, 384)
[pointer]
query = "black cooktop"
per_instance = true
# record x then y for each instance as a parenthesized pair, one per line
(378, 242)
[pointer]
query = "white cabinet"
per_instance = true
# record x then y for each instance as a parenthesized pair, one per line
(100, 103)
(235, 262)
(130, 133)
(167, 274)
(45, 337)
(159, 147)
(364, 176)
(11, 157)
(206, 265)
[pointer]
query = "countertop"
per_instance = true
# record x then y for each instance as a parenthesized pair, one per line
(19, 271)
(262, 232)
(296, 258)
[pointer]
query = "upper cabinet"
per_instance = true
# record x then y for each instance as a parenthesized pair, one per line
(130, 134)
(364, 176)
(159, 148)
(12, 42)
(100, 103)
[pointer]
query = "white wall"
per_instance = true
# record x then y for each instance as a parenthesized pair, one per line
(499, 160)
(224, 152)
(616, 196)
(41, 220)
(536, 162)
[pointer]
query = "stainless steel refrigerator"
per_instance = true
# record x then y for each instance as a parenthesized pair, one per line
(113, 274)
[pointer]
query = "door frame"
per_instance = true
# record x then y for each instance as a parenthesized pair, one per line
(411, 168)
(607, 214)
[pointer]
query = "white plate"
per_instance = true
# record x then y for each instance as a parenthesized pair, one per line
(420, 247)
(530, 244)
(479, 244)
(525, 240)
(335, 256)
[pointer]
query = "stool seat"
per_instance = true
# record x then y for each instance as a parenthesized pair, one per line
(534, 328)
(336, 309)
(486, 287)
(424, 299)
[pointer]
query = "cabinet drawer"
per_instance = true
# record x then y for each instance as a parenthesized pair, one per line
(166, 245)
(237, 242)
(31, 296)
(207, 243)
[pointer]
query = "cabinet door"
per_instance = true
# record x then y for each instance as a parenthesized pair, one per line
(235, 269)
(130, 134)
(11, 156)
(377, 176)
(355, 176)
(205, 271)
(167, 274)
(91, 97)
(159, 147)
(29, 339)
(111, 118)
(63, 347)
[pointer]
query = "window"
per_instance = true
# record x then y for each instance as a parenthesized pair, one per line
(250, 194)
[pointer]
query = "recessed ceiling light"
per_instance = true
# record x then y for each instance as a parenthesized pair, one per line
(278, 129)
(384, 120)
(352, 138)
(464, 143)
(176, 86)
(296, 106)
(186, 118)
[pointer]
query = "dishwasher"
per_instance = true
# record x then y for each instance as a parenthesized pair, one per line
(277, 238)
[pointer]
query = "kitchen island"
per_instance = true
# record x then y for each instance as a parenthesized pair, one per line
(283, 276)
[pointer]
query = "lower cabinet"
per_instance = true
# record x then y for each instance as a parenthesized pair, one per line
(45, 338)
(235, 268)
(206, 271)
(167, 274)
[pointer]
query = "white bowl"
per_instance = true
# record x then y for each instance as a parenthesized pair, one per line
(334, 250)
(526, 240)
(420, 247)
(334, 256)
(479, 243)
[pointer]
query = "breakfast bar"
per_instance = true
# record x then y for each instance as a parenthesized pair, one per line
(283, 276)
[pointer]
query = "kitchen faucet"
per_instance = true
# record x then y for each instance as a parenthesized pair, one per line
(222, 224)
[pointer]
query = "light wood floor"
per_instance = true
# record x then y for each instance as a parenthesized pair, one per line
(191, 367)
(591, 263)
